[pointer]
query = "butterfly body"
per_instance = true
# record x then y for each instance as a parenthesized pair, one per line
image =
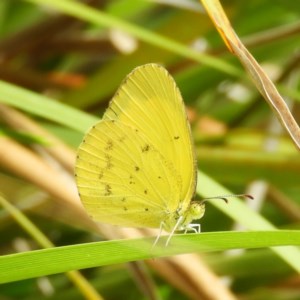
(136, 167)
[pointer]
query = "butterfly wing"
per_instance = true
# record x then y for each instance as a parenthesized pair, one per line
(136, 167)
(122, 179)
(150, 101)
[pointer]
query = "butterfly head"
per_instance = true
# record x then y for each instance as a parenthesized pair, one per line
(195, 211)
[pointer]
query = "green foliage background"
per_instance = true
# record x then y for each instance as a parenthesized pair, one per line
(70, 52)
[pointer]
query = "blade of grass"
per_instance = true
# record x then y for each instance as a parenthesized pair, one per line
(84, 12)
(62, 259)
(261, 80)
(83, 285)
(238, 211)
(45, 107)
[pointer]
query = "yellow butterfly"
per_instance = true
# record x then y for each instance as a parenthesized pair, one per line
(137, 167)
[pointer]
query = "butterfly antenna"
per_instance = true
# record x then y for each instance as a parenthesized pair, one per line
(225, 197)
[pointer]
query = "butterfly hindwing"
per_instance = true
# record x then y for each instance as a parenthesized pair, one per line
(123, 179)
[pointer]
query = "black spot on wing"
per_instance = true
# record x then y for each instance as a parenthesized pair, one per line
(109, 145)
(108, 159)
(101, 174)
(145, 148)
(122, 138)
(107, 190)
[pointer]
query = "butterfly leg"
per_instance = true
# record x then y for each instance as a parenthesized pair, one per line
(159, 234)
(193, 227)
(174, 229)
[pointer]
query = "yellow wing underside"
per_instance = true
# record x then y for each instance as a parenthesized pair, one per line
(150, 101)
(136, 167)
(123, 179)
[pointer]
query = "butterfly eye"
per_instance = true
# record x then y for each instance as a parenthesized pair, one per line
(197, 209)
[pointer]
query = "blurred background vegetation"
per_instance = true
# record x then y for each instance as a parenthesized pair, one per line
(239, 141)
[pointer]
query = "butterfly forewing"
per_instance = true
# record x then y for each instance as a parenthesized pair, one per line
(150, 101)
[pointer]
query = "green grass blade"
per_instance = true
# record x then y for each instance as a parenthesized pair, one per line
(44, 107)
(80, 281)
(62, 259)
(97, 17)
(238, 211)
